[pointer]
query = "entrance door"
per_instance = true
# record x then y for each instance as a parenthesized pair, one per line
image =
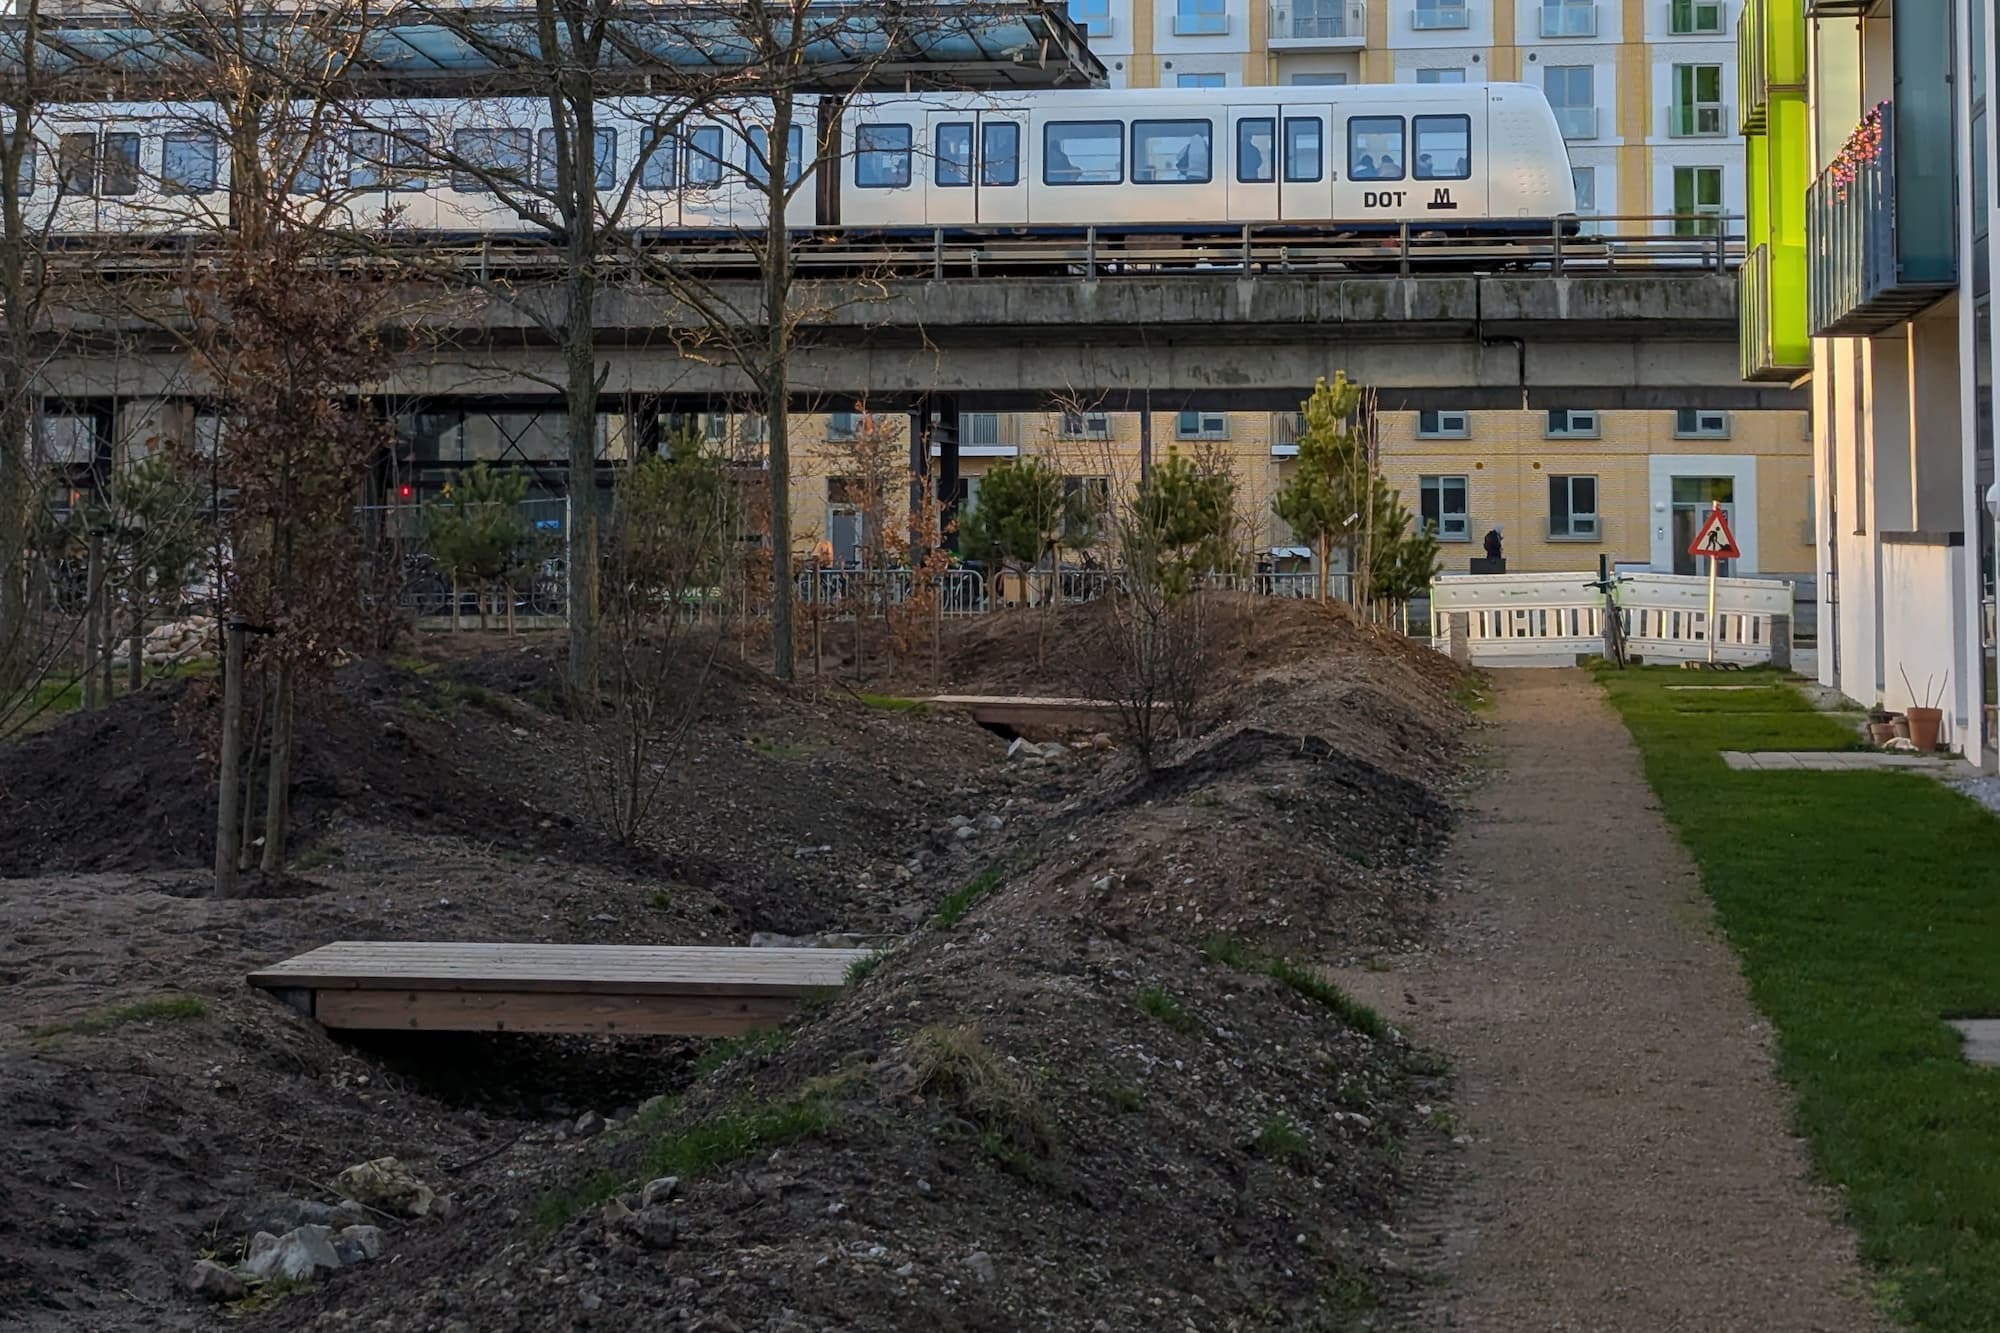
(1254, 164)
(1003, 167)
(1693, 498)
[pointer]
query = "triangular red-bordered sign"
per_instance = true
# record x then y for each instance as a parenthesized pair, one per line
(1715, 540)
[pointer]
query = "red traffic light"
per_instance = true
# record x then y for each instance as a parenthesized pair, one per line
(403, 491)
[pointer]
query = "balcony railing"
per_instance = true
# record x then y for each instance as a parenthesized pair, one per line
(1305, 23)
(1701, 121)
(1569, 20)
(1753, 80)
(1868, 268)
(1577, 122)
(1200, 25)
(1425, 19)
(1771, 332)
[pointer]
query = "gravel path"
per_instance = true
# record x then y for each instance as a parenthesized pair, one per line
(1631, 1164)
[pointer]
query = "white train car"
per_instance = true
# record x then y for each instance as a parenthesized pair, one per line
(1473, 158)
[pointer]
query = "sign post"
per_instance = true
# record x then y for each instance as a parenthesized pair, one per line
(1718, 543)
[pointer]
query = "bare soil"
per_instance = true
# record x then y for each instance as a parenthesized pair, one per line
(1057, 1112)
(1629, 1161)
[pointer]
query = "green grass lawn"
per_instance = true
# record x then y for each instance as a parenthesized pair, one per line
(1866, 908)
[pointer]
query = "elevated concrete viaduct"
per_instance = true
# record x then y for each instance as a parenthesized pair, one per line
(1164, 341)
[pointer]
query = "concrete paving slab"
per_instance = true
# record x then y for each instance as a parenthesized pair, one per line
(1982, 1039)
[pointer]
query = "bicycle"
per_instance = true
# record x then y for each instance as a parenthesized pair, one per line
(1614, 618)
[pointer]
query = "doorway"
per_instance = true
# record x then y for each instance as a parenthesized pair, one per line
(1693, 498)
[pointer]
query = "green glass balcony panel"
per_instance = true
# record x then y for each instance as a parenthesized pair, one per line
(1772, 342)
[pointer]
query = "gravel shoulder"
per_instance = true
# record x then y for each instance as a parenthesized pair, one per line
(1628, 1157)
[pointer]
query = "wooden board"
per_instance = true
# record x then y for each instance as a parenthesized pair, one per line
(612, 969)
(548, 1011)
(1002, 710)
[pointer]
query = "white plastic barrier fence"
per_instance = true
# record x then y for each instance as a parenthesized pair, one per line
(1552, 619)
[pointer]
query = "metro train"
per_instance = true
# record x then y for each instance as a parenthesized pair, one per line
(1475, 159)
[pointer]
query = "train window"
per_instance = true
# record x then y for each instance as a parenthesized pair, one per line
(760, 155)
(76, 164)
(1375, 148)
(1172, 152)
(27, 169)
(1443, 146)
(1256, 162)
(954, 153)
(604, 155)
(120, 164)
(704, 159)
(999, 153)
(882, 156)
(659, 165)
(187, 163)
(388, 160)
(313, 167)
(488, 158)
(1304, 154)
(1083, 152)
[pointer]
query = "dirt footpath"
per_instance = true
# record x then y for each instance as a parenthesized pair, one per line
(1631, 1165)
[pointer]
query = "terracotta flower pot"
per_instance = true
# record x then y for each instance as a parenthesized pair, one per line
(1899, 726)
(1881, 732)
(1925, 724)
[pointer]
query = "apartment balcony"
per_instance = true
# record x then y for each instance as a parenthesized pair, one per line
(1567, 18)
(1439, 17)
(1703, 121)
(1753, 78)
(1319, 25)
(1770, 308)
(1880, 242)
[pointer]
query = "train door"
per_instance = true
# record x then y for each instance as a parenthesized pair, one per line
(949, 166)
(1253, 164)
(1307, 164)
(1003, 168)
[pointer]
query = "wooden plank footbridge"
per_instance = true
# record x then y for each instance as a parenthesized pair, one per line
(625, 990)
(1017, 711)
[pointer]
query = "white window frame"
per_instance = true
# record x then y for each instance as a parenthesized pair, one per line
(1695, 9)
(1092, 17)
(1437, 15)
(1451, 527)
(1201, 78)
(1084, 425)
(1701, 423)
(843, 425)
(1572, 18)
(1201, 18)
(1577, 120)
(1444, 425)
(1582, 526)
(1208, 425)
(965, 431)
(1434, 71)
(1577, 424)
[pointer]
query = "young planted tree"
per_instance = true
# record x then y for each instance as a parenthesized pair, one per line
(1324, 498)
(672, 536)
(1405, 557)
(1162, 630)
(478, 535)
(1017, 521)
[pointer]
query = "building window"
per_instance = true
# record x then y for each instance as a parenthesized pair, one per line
(1584, 181)
(1001, 153)
(1202, 426)
(27, 169)
(1302, 148)
(1573, 97)
(1573, 508)
(1431, 14)
(1701, 423)
(953, 149)
(187, 164)
(843, 425)
(1375, 148)
(1443, 426)
(1256, 163)
(1200, 18)
(1454, 75)
(1333, 79)
(605, 153)
(1693, 18)
(1201, 80)
(1093, 16)
(1569, 424)
(1083, 152)
(882, 156)
(1697, 109)
(1697, 201)
(1172, 152)
(1443, 146)
(1569, 18)
(1086, 426)
(1441, 503)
